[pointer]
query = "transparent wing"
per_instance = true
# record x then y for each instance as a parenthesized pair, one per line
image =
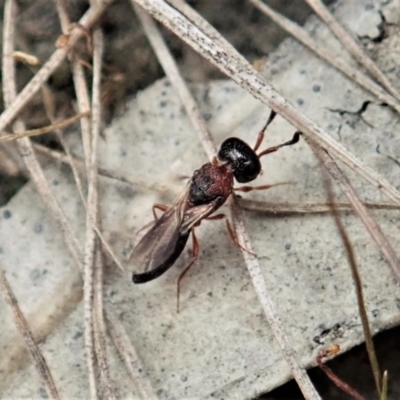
(157, 245)
(166, 238)
(161, 239)
(194, 215)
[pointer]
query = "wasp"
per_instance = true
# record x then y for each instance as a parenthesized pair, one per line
(206, 191)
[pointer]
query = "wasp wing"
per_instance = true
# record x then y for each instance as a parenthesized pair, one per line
(194, 215)
(165, 240)
(160, 242)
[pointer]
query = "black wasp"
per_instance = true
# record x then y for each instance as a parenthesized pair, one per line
(207, 190)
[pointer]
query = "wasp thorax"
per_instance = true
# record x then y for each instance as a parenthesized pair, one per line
(209, 183)
(243, 159)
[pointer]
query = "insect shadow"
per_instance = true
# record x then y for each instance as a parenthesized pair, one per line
(206, 191)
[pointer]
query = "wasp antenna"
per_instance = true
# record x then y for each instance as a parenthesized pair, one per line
(294, 140)
(260, 137)
(272, 115)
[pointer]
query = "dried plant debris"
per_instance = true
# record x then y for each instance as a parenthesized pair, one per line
(219, 344)
(129, 63)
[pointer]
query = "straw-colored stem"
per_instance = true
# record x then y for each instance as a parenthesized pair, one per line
(326, 54)
(172, 71)
(247, 77)
(352, 46)
(33, 349)
(351, 258)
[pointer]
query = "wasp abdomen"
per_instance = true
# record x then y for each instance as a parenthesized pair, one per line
(164, 266)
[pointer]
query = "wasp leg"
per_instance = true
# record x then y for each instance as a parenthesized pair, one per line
(161, 207)
(260, 137)
(195, 256)
(231, 233)
(262, 187)
(294, 140)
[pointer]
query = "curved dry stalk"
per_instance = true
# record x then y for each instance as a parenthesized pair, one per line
(372, 227)
(100, 329)
(333, 377)
(172, 71)
(81, 89)
(11, 163)
(384, 386)
(27, 59)
(15, 106)
(91, 245)
(95, 273)
(202, 24)
(82, 97)
(321, 51)
(351, 258)
(78, 163)
(83, 101)
(129, 356)
(268, 306)
(53, 308)
(248, 78)
(129, 180)
(88, 298)
(25, 145)
(26, 149)
(50, 112)
(352, 46)
(168, 63)
(247, 204)
(306, 208)
(23, 327)
(46, 129)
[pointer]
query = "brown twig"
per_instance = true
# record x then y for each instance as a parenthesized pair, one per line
(82, 96)
(333, 377)
(93, 253)
(99, 327)
(25, 146)
(372, 227)
(23, 327)
(51, 65)
(384, 386)
(254, 268)
(46, 129)
(129, 180)
(247, 77)
(25, 58)
(48, 102)
(352, 46)
(306, 208)
(168, 63)
(351, 258)
(83, 102)
(247, 204)
(130, 357)
(326, 54)
(252, 263)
